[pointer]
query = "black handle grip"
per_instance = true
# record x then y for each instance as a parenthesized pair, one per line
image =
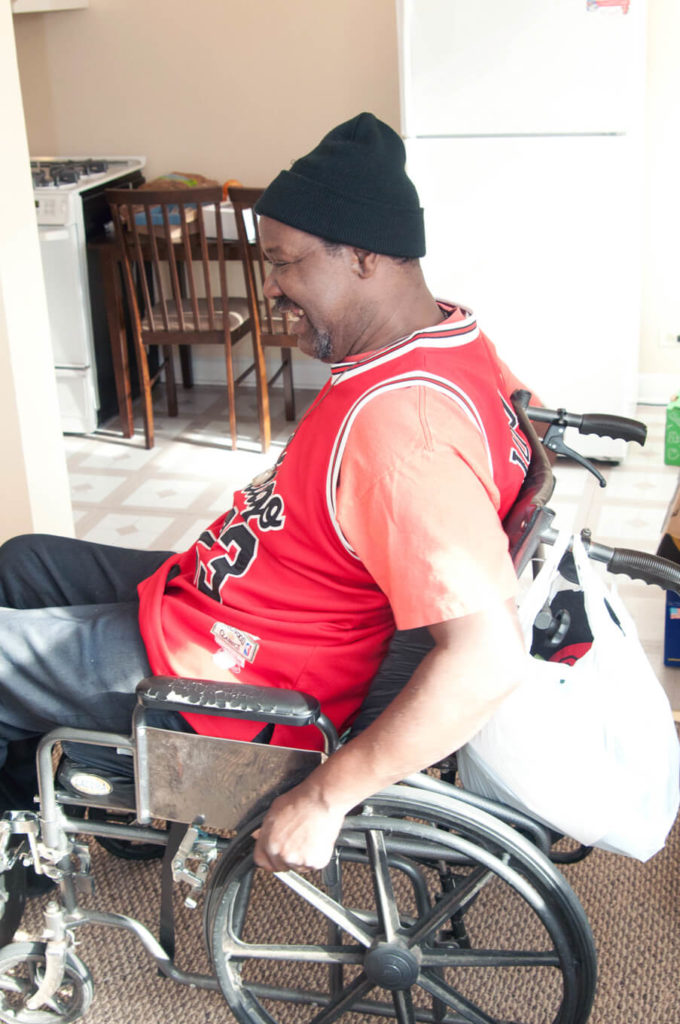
(640, 565)
(613, 426)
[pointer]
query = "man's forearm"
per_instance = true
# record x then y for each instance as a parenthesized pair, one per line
(473, 666)
(454, 691)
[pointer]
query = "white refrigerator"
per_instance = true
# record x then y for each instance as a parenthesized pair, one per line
(523, 127)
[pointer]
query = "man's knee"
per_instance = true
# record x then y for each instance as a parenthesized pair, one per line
(25, 568)
(15, 554)
(15, 550)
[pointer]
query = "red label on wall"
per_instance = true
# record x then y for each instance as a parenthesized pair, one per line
(594, 5)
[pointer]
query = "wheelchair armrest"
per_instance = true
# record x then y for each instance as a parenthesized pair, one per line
(232, 700)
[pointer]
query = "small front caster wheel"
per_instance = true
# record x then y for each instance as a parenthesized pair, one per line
(22, 968)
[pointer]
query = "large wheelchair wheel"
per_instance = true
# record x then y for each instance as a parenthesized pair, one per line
(430, 910)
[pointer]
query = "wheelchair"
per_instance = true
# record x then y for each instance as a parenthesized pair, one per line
(437, 906)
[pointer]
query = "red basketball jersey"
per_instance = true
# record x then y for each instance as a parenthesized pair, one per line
(272, 590)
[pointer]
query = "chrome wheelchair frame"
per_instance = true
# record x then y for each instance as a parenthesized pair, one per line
(415, 918)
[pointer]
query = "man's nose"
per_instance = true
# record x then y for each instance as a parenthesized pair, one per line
(270, 287)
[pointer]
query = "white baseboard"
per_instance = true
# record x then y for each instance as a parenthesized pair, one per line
(209, 368)
(657, 388)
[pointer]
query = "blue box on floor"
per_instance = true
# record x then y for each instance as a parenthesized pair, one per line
(671, 646)
(669, 547)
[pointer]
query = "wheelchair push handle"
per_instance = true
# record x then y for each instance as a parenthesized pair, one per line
(613, 426)
(640, 565)
(602, 424)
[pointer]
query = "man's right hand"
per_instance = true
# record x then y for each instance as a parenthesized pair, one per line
(298, 832)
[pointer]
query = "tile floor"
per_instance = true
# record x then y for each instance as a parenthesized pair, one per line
(126, 495)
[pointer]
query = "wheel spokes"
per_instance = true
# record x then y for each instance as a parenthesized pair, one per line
(450, 997)
(388, 915)
(403, 1006)
(329, 907)
(450, 904)
(344, 1001)
(17, 986)
(61, 1001)
(486, 958)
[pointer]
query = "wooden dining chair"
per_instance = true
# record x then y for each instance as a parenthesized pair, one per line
(175, 280)
(270, 329)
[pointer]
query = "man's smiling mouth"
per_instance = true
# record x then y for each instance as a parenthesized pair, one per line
(283, 305)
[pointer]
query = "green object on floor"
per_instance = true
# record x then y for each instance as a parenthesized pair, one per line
(672, 440)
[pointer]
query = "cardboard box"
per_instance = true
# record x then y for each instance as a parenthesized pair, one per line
(174, 220)
(669, 545)
(671, 455)
(228, 218)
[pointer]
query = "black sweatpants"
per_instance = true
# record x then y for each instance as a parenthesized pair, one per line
(70, 648)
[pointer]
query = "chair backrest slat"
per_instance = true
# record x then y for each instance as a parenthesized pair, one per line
(156, 277)
(142, 280)
(118, 213)
(243, 200)
(222, 267)
(207, 283)
(172, 267)
(269, 323)
(188, 275)
(260, 267)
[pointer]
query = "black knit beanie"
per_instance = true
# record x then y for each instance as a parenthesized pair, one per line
(352, 188)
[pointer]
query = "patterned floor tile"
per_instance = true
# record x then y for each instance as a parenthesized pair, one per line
(95, 488)
(132, 531)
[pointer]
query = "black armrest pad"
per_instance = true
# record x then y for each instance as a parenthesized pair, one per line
(231, 700)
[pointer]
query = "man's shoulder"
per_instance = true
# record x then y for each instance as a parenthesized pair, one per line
(407, 418)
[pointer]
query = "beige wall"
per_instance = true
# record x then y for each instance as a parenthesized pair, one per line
(239, 88)
(35, 494)
(661, 250)
(227, 88)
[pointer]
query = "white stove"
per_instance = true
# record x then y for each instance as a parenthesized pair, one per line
(70, 208)
(59, 182)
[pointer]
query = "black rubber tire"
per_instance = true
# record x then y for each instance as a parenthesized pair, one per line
(259, 973)
(21, 967)
(12, 901)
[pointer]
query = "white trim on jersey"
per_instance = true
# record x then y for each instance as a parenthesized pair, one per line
(414, 378)
(421, 340)
(453, 335)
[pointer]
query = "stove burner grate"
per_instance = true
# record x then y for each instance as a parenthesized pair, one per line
(64, 172)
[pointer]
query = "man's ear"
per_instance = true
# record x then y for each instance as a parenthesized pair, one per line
(364, 263)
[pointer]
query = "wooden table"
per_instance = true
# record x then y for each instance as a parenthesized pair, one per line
(116, 308)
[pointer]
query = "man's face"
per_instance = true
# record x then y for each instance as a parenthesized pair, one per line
(317, 285)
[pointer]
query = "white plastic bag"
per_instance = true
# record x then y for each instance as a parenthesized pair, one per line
(591, 748)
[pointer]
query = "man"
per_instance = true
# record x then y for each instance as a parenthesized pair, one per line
(385, 507)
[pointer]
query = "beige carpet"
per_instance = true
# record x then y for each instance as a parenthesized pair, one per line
(633, 908)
